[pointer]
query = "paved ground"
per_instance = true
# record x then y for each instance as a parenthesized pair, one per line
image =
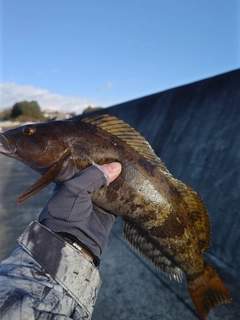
(132, 289)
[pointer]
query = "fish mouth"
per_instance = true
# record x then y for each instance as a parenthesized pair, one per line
(7, 145)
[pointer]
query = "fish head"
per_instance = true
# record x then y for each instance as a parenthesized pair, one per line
(40, 146)
(37, 145)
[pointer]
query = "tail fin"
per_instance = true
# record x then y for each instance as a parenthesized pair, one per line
(208, 291)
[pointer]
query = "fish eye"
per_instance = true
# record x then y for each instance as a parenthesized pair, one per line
(28, 130)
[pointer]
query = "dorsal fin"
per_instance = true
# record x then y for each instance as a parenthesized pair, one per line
(144, 246)
(197, 212)
(126, 133)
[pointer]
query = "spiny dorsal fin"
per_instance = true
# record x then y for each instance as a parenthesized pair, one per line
(144, 246)
(126, 133)
(197, 213)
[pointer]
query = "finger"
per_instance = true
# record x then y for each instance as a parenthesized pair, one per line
(112, 170)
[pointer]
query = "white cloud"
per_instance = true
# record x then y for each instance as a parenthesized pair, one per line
(105, 86)
(10, 93)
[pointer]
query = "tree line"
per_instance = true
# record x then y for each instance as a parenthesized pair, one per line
(30, 111)
(23, 111)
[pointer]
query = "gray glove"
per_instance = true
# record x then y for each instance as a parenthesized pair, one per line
(70, 211)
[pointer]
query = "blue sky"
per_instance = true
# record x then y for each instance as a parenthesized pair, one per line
(75, 53)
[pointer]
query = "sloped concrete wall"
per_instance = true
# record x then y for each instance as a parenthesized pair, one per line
(195, 130)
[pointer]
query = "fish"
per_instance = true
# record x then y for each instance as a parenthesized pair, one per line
(164, 219)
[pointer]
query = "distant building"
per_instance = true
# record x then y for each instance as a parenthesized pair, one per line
(57, 115)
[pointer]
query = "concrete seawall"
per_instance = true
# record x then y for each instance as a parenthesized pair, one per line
(195, 130)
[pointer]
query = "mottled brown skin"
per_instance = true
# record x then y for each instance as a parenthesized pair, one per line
(159, 213)
(143, 192)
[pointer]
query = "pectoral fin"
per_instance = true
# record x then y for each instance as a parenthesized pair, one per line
(44, 181)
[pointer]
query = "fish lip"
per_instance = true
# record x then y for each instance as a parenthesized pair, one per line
(7, 145)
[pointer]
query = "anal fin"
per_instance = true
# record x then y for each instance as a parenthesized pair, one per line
(148, 249)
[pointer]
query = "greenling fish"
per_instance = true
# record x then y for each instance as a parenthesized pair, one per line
(163, 218)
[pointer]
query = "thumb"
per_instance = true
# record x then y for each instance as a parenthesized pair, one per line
(112, 170)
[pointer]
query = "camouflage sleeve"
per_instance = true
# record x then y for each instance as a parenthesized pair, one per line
(47, 278)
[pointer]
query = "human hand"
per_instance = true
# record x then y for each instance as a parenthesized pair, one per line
(70, 212)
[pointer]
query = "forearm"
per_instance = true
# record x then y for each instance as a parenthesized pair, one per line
(50, 275)
(47, 276)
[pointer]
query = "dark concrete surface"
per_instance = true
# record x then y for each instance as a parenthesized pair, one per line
(195, 129)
